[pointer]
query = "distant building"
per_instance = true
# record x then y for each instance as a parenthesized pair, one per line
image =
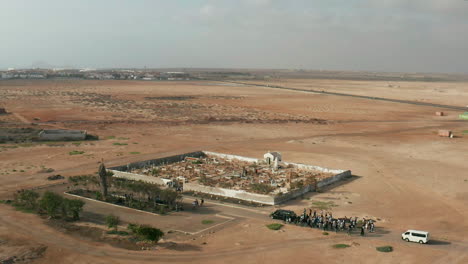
(61, 134)
(174, 76)
(7, 75)
(463, 116)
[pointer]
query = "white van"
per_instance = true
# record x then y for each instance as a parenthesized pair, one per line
(421, 237)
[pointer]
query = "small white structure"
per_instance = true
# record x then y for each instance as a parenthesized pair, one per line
(270, 157)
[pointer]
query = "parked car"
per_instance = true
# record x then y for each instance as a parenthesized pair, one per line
(282, 214)
(421, 237)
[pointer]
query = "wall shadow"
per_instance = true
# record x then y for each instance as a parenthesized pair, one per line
(179, 246)
(340, 183)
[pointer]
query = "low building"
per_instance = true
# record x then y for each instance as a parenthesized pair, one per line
(445, 133)
(439, 113)
(270, 157)
(62, 134)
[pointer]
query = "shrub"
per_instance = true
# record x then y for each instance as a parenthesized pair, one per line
(146, 232)
(120, 144)
(385, 249)
(91, 137)
(76, 152)
(26, 199)
(72, 208)
(98, 195)
(132, 227)
(207, 222)
(150, 233)
(46, 170)
(341, 246)
(115, 232)
(325, 233)
(274, 226)
(51, 203)
(112, 221)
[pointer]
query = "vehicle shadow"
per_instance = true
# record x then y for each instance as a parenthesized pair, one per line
(379, 232)
(438, 242)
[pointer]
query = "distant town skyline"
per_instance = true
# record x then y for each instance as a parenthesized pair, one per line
(361, 35)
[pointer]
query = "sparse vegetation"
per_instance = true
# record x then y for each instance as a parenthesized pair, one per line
(119, 233)
(207, 222)
(325, 233)
(135, 152)
(341, 246)
(323, 205)
(76, 152)
(119, 144)
(274, 226)
(46, 170)
(385, 249)
(112, 221)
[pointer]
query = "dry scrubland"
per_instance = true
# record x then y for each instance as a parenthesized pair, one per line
(407, 176)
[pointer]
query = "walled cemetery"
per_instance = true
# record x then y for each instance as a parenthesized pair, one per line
(268, 180)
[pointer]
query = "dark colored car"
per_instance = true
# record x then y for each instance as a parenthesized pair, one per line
(282, 214)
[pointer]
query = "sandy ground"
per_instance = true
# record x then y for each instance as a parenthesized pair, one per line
(406, 175)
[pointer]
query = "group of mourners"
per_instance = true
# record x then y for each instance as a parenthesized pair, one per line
(326, 222)
(196, 203)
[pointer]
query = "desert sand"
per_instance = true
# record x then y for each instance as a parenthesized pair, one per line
(406, 176)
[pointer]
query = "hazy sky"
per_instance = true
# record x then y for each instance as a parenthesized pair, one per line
(380, 35)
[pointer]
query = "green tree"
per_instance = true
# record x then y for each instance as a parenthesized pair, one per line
(26, 199)
(103, 177)
(73, 207)
(112, 221)
(51, 203)
(146, 232)
(150, 233)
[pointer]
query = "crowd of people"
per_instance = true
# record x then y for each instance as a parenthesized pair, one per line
(326, 222)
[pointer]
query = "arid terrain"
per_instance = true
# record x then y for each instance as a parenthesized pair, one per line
(406, 176)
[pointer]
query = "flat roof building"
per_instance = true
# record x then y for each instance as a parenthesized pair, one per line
(62, 134)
